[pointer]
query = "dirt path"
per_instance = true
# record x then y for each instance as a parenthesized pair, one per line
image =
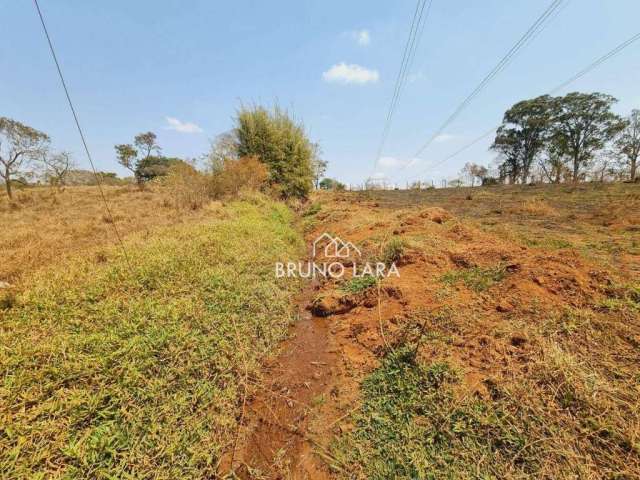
(275, 440)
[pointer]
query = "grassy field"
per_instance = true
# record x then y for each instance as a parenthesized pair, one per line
(113, 369)
(46, 224)
(507, 348)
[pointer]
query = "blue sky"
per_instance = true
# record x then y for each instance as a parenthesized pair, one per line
(132, 65)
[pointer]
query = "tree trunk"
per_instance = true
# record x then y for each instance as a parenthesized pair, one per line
(634, 164)
(7, 184)
(576, 169)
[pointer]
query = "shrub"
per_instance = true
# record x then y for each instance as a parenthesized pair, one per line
(281, 144)
(331, 184)
(155, 166)
(188, 187)
(246, 173)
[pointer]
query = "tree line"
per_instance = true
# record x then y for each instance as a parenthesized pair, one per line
(565, 139)
(571, 138)
(276, 142)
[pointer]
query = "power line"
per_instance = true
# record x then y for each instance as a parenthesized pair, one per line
(82, 137)
(413, 40)
(515, 49)
(596, 63)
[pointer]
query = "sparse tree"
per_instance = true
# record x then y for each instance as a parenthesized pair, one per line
(146, 144)
(628, 142)
(223, 148)
(318, 165)
(583, 123)
(19, 145)
(136, 159)
(57, 167)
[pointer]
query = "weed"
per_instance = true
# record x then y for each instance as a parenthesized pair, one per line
(312, 210)
(358, 284)
(392, 251)
(476, 278)
(410, 426)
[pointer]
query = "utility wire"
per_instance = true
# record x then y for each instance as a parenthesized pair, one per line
(413, 40)
(596, 63)
(82, 137)
(500, 66)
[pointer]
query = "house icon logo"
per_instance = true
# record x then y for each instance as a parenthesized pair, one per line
(334, 247)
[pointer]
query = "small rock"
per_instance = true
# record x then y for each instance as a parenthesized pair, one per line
(5, 285)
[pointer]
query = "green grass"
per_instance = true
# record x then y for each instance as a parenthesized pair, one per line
(476, 278)
(411, 426)
(111, 372)
(392, 251)
(358, 284)
(313, 209)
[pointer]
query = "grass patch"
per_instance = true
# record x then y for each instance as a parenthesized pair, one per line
(111, 372)
(392, 251)
(313, 209)
(411, 426)
(358, 284)
(476, 278)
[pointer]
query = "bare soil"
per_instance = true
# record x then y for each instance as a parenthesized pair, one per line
(507, 285)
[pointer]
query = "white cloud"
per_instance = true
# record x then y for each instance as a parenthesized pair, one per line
(444, 137)
(352, 73)
(362, 37)
(182, 127)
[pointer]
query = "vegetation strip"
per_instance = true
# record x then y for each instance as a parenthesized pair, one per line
(140, 377)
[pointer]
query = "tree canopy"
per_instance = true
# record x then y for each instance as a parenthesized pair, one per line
(19, 144)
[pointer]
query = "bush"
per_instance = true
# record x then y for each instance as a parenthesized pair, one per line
(188, 187)
(154, 166)
(331, 184)
(281, 144)
(247, 173)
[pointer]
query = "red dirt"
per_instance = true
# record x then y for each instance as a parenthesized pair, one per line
(313, 385)
(275, 439)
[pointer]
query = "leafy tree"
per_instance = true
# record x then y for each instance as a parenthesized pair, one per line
(57, 167)
(553, 166)
(127, 156)
(509, 147)
(138, 158)
(19, 144)
(523, 134)
(279, 143)
(628, 142)
(154, 166)
(583, 123)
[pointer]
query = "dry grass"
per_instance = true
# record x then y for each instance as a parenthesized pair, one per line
(43, 225)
